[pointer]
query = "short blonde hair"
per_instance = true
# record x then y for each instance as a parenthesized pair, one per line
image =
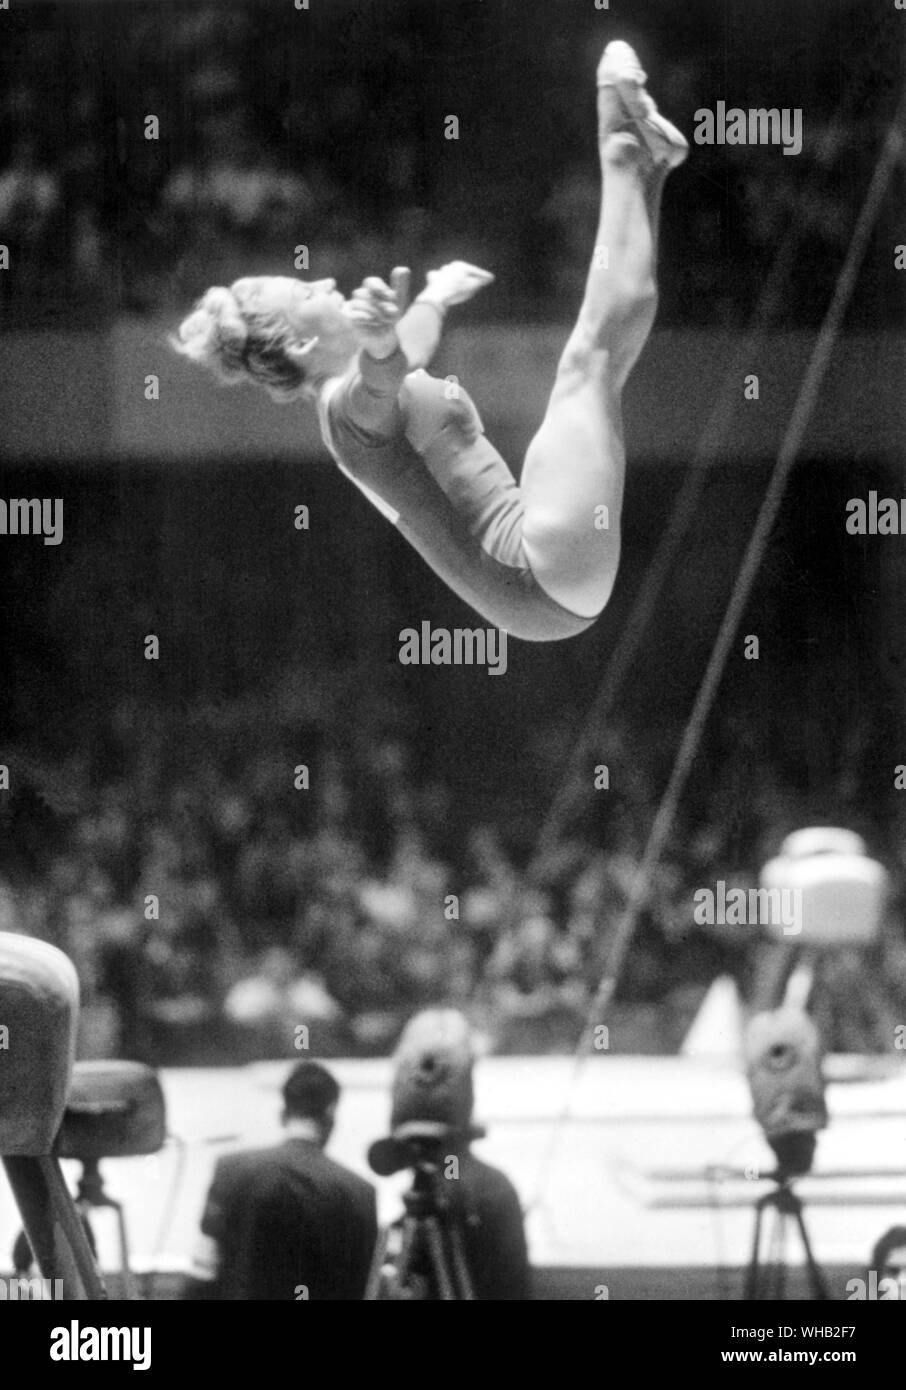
(239, 342)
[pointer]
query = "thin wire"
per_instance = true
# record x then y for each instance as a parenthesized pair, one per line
(767, 516)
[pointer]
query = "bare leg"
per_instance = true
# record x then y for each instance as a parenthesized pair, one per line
(574, 466)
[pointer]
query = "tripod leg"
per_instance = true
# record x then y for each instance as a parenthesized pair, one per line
(85, 1205)
(129, 1290)
(406, 1264)
(779, 1266)
(460, 1265)
(438, 1253)
(751, 1288)
(373, 1287)
(771, 1280)
(819, 1287)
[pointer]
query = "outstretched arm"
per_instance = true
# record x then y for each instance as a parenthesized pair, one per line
(420, 327)
(419, 331)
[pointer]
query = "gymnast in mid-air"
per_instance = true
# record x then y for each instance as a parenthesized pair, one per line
(533, 559)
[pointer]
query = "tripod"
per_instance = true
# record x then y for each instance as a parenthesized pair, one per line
(430, 1262)
(91, 1196)
(768, 1280)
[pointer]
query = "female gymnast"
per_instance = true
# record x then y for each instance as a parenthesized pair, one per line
(533, 559)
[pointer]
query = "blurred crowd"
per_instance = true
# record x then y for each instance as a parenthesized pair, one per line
(219, 909)
(272, 136)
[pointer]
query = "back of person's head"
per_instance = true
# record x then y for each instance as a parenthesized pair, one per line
(310, 1093)
(275, 331)
(239, 342)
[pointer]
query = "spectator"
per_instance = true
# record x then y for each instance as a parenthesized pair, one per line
(288, 1222)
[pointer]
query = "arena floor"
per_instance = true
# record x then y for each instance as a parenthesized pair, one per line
(646, 1189)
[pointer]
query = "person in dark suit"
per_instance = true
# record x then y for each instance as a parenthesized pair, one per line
(288, 1222)
(487, 1209)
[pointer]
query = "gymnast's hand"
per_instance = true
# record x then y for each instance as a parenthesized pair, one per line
(375, 308)
(454, 284)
